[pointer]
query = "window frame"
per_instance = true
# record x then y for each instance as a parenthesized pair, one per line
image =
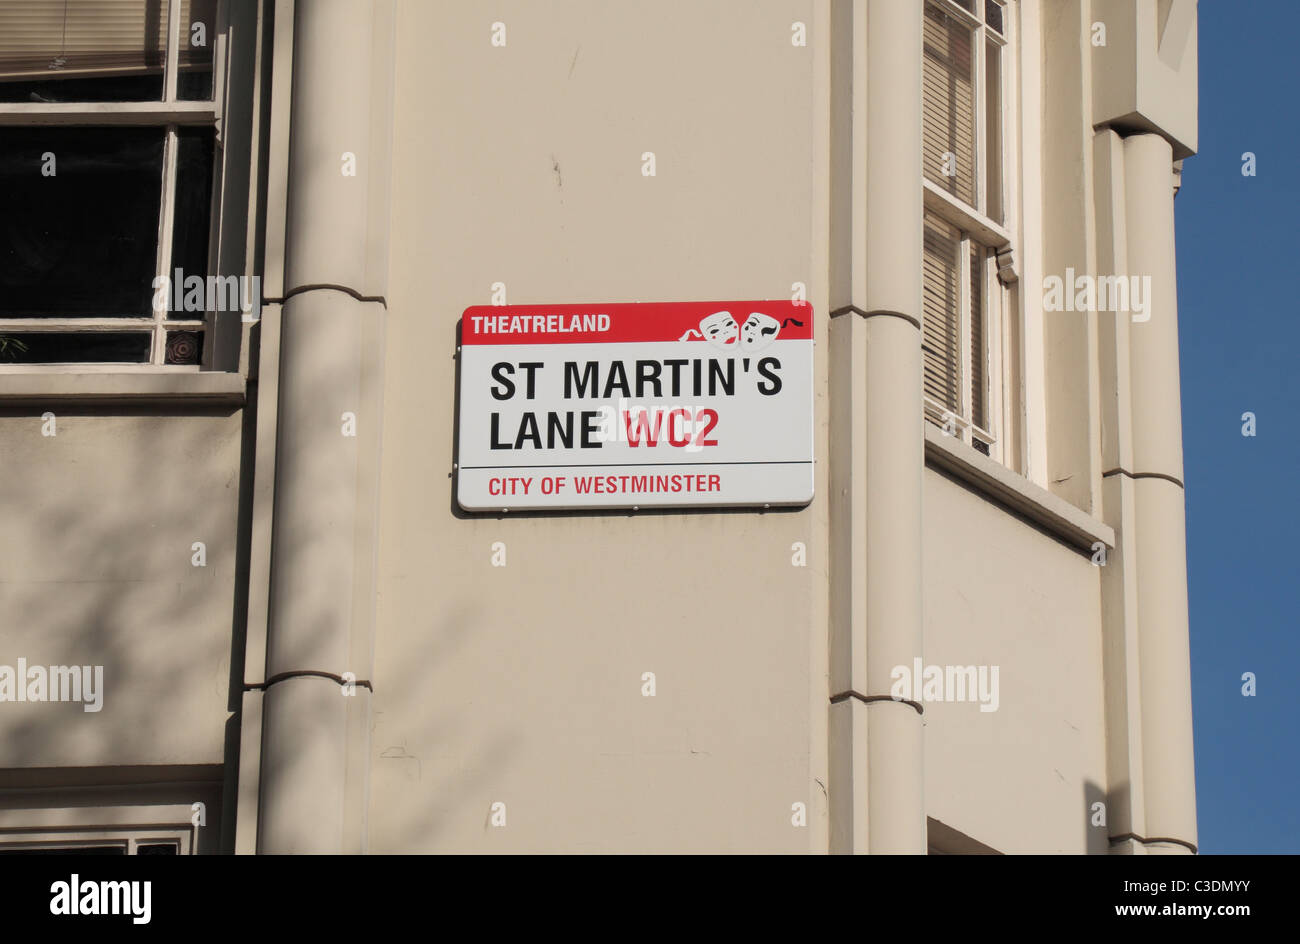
(991, 316)
(171, 114)
(991, 237)
(99, 817)
(82, 837)
(982, 36)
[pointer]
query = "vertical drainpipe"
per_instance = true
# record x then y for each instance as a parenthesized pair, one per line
(1121, 665)
(1165, 666)
(324, 361)
(895, 450)
(878, 450)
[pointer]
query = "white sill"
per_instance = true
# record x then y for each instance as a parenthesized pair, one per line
(963, 217)
(1051, 512)
(153, 386)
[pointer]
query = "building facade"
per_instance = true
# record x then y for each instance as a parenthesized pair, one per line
(244, 237)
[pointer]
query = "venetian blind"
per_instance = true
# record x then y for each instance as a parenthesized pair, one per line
(941, 313)
(52, 39)
(948, 104)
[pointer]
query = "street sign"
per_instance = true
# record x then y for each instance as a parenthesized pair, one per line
(636, 405)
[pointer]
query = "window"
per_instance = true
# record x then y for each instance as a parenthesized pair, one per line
(966, 247)
(109, 154)
(141, 819)
(108, 842)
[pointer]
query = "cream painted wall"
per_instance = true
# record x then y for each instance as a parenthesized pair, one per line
(998, 591)
(95, 569)
(522, 684)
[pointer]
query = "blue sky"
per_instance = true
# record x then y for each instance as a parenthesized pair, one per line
(1239, 336)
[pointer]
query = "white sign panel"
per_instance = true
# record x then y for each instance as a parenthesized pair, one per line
(636, 405)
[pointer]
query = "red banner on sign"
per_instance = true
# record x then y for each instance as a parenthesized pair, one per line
(737, 326)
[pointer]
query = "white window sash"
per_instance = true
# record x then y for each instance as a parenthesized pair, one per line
(170, 114)
(980, 230)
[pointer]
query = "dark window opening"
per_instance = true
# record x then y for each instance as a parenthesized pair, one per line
(194, 156)
(79, 231)
(117, 849)
(156, 848)
(80, 347)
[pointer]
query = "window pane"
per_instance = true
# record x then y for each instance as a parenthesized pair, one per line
(978, 355)
(98, 347)
(82, 50)
(198, 20)
(194, 154)
(156, 848)
(948, 100)
(79, 234)
(993, 128)
(941, 311)
(993, 15)
(67, 850)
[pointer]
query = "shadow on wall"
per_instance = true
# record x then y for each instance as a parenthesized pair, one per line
(102, 508)
(444, 790)
(459, 788)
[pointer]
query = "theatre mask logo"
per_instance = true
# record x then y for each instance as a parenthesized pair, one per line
(760, 330)
(720, 330)
(623, 406)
